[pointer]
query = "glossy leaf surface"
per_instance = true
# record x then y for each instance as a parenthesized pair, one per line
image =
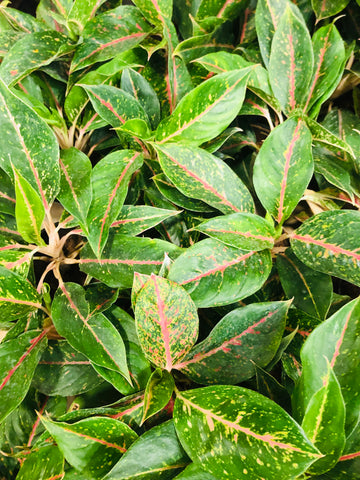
(92, 445)
(199, 174)
(242, 230)
(94, 336)
(327, 8)
(216, 274)
(283, 168)
(328, 242)
(161, 452)
(124, 255)
(206, 111)
(229, 354)
(19, 358)
(217, 437)
(42, 464)
(158, 392)
(166, 321)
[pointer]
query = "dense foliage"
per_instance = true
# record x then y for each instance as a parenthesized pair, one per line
(180, 240)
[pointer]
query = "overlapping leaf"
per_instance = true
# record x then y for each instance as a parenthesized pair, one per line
(329, 242)
(110, 33)
(157, 393)
(109, 181)
(236, 343)
(29, 145)
(19, 358)
(166, 321)
(92, 445)
(224, 428)
(42, 464)
(206, 111)
(216, 274)
(123, 255)
(283, 168)
(201, 175)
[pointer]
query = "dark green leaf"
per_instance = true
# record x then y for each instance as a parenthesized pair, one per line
(43, 464)
(158, 392)
(199, 174)
(217, 274)
(327, 8)
(236, 343)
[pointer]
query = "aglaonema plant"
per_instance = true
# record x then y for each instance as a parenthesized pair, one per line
(179, 240)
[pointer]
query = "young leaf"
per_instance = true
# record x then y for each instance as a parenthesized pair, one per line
(32, 52)
(123, 255)
(334, 342)
(157, 393)
(206, 111)
(19, 358)
(92, 445)
(17, 296)
(93, 336)
(29, 210)
(161, 453)
(311, 290)
(236, 343)
(217, 274)
(75, 185)
(109, 181)
(329, 242)
(81, 12)
(166, 321)
(291, 61)
(199, 174)
(29, 145)
(283, 168)
(324, 423)
(109, 34)
(224, 427)
(242, 230)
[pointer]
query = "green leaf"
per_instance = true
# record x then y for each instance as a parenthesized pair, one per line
(29, 145)
(161, 453)
(329, 61)
(242, 230)
(311, 290)
(335, 342)
(283, 168)
(136, 85)
(64, 371)
(325, 138)
(114, 105)
(109, 181)
(195, 472)
(42, 463)
(268, 386)
(29, 210)
(123, 255)
(19, 358)
(32, 52)
(75, 184)
(135, 219)
(17, 296)
(92, 445)
(327, 8)
(224, 9)
(225, 427)
(158, 392)
(109, 34)
(19, 21)
(291, 61)
(7, 194)
(166, 321)
(81, 12)
(324, 423)
(328, 242)
(93, 336)
(244, 337)
(199, 174)
(217, 274)
(207, 110)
